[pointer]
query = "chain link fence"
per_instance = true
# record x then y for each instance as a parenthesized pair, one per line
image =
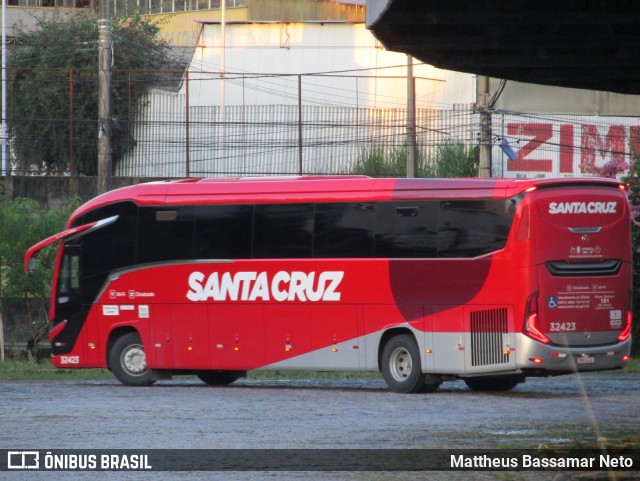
(184, 124)
(174, 128)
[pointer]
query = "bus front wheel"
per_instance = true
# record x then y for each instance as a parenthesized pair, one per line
(128, 361)
(401, 365)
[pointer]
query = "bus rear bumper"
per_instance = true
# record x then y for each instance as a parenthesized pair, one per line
(543, 359)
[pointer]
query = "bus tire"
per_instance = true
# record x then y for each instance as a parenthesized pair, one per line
(493, 383)
(220, 378)
(128, 361)
(401, 365)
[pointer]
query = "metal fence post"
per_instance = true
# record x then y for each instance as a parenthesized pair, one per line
(300, 123)
(187, 155)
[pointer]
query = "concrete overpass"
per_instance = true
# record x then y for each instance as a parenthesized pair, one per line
(586, 44)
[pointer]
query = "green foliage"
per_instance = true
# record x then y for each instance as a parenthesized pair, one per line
(449, 160)
(23, 223)
(54, 88)
(12, 369)
(630, 175)
(377, 162)
(632, 179)
(455, 160)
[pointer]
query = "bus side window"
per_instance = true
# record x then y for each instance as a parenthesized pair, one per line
(407, 229)
(282, 231)
(106, 249)
(223, 231)
(344, 230)
(470, 228)
(165, 234)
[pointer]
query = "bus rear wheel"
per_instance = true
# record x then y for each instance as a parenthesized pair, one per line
(401, 365)
(220, 378)
(128, 361)
(493, 383)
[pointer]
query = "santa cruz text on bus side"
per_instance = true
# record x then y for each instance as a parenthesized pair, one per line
(253, 286)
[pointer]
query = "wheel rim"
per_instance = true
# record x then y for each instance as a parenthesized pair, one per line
(133, 360)
(400, 364)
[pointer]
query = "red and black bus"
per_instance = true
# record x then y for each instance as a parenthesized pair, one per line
(425, 280)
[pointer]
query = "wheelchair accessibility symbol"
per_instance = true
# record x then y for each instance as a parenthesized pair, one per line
(552, 302)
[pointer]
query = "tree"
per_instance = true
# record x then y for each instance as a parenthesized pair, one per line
(630, 175)
(632, 179)
(53, 107)
(23, 223)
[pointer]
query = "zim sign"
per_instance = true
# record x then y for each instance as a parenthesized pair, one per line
(570, 148)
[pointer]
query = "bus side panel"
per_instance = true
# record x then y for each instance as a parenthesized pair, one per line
(448, 339)
(335, 340)
(90, 349)
(89, 341)
(161, 348)
(380, 318)
(439, 282)
(420, 322)
(237, 336)
(427, 340)
(190, 333)
(76, 357)
(348, 337)
(287, 332)
(321, 338)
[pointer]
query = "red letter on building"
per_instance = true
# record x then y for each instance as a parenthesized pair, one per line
(540, 133)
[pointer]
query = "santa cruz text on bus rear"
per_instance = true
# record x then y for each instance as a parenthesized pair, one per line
(582, 207)
(425, 280)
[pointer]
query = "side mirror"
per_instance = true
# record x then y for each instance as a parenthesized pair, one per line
(32, 266)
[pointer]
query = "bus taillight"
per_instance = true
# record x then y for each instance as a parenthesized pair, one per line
(624, 335)
(531, 320)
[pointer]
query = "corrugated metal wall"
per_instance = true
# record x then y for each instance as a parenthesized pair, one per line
(275, 139)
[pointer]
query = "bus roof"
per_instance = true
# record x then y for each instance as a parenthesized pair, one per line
(325, 189)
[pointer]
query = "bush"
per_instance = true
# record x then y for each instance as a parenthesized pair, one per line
(632, 179)
(23, 223)
(449, 160)
(630, 175)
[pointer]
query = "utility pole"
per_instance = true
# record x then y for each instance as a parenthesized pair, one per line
(412, 164)
(222, 150)
(6, 170)
(482, 104)
(104, 100)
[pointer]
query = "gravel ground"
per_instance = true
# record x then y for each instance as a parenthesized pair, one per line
(314, 414)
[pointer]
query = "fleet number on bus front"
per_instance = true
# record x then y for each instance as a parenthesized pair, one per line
(562, 326)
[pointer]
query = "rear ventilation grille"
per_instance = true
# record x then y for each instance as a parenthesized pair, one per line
(487, 330)
(605, 268)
